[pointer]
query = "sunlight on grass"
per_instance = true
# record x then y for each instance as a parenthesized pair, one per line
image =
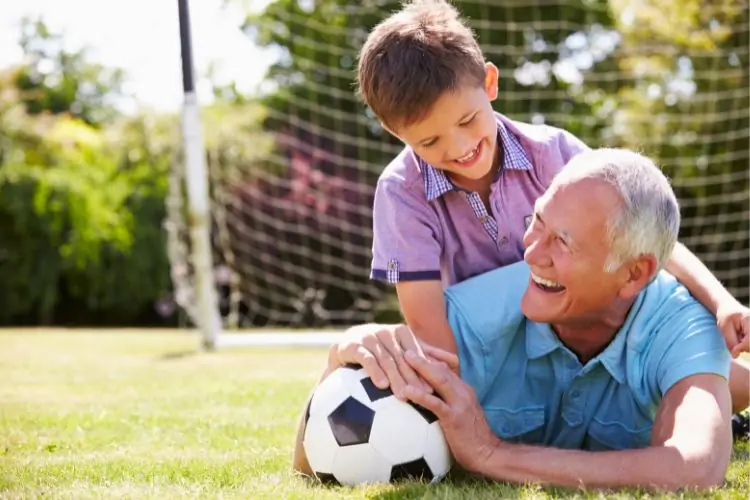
(141, 415)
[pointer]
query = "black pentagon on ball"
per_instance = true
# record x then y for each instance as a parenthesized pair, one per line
(416, 470)
(427, 414)
(327, 479)
(375, 394)
(307, 411)
(351, 422)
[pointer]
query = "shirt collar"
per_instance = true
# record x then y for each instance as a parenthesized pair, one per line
(436, 183)
(542, 340)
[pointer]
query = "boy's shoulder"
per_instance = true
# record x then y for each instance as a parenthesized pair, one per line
(540, 137)
(404, 171)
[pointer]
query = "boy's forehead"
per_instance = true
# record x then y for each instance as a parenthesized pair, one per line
(444, 113)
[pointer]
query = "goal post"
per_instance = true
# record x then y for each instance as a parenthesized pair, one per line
(281, 239)
(206, 313)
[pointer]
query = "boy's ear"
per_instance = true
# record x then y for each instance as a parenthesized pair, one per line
(491, 80)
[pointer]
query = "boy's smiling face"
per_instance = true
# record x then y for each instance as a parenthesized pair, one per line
(459, 133)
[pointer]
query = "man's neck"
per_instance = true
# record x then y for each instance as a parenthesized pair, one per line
(588, 337)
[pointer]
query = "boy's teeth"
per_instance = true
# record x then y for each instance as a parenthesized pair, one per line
(468, 156)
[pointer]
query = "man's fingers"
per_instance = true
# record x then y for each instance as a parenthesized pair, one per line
(437, 374)
(429, 401)
(446, 357)
(743, 346)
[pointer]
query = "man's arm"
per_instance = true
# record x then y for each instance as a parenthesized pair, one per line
(691, 445)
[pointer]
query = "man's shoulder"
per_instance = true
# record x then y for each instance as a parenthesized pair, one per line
(490, 303)
(667, 310)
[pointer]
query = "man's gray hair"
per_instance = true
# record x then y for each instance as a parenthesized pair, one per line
(649, 220)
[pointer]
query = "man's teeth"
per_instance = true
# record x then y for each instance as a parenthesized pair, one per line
(469, 156)
(546, 283)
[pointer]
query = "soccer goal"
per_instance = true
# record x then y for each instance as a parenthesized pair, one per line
(290, 233)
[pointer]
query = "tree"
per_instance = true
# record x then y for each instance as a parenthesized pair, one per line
(54, 80)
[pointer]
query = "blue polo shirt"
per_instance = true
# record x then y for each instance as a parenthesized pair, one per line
(534, 390)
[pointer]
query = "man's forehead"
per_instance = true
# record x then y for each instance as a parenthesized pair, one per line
(579, 208)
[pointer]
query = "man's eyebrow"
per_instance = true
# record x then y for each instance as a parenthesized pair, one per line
(562, 234)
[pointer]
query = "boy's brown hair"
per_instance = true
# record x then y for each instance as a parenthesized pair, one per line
(413, 57)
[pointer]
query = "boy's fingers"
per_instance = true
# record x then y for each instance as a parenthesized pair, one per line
(388, 363)
(409, 376)
(367, 360)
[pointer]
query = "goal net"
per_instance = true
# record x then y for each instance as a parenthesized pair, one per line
(292, 227)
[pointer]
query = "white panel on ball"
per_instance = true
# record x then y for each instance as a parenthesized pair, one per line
(360, 464)
(319, 443)
(329, 394)
(436, 453)
(399, 432)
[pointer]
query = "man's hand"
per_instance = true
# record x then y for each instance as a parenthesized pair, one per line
(733, 320)
(466, 430)
(380, 350)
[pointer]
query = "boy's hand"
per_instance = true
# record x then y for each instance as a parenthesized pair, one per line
(380, 350)
(733, 320)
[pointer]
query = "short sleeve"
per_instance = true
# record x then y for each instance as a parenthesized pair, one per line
(695, 346)
(406, 234)
(564, 147)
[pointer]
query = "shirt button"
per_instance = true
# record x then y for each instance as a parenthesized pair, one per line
(483, 219)
(504, 240)
(575, 394)
(391, 265)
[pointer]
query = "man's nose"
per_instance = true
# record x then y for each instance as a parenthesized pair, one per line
(536, 253)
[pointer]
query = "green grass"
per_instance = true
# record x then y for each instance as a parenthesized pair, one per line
(140, 415)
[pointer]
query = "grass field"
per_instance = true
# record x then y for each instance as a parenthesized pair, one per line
(141, 415)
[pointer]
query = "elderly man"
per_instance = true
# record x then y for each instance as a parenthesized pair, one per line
(585, 347)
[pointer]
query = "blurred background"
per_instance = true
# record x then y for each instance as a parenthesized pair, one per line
(93, 224)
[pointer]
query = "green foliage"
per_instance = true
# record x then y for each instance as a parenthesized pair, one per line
(81, 227)
(54, 80)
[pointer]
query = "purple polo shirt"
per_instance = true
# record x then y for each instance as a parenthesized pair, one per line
(426, 228)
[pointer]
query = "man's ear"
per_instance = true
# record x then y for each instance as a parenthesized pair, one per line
(639, 273)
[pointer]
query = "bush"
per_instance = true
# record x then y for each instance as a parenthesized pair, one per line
(81, 217)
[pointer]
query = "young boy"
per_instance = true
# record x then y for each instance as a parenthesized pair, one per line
(457, 200)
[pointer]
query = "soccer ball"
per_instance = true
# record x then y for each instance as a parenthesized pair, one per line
(357, 433)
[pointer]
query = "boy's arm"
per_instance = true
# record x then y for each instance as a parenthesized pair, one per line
(733, 318)
(423, 306)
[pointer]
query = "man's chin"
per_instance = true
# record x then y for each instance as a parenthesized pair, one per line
(535, 310)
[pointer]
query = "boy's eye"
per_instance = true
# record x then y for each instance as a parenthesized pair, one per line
(428, 143)
(466, 122)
